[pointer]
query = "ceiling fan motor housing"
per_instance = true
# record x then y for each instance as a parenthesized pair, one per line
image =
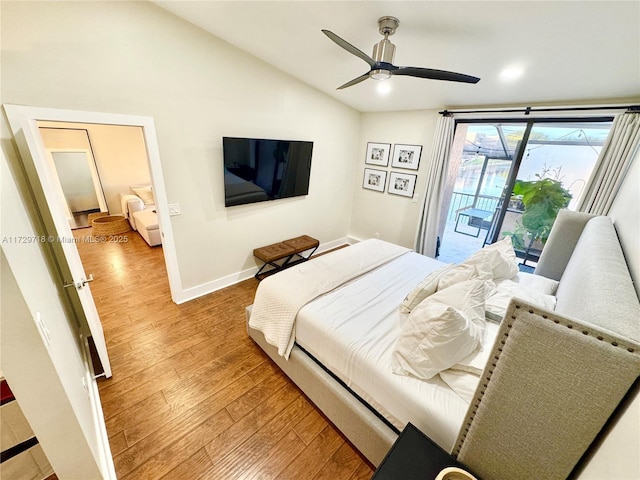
(384, 51)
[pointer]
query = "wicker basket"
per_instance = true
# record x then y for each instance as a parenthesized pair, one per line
(110, 225)
(92, 216)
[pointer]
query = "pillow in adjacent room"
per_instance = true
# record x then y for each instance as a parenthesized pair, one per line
(496, 261)
(425, 288)
(145, 193)
(441, 331)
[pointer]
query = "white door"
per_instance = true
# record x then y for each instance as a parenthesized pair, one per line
(58, 234)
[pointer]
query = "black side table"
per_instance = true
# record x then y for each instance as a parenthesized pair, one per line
(414, 456)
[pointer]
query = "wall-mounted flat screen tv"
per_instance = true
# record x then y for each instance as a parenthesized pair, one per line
(256, 170)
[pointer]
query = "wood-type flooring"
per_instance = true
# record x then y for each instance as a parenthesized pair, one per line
(192, 396)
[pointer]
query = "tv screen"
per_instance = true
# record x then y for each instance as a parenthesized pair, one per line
(256, 170)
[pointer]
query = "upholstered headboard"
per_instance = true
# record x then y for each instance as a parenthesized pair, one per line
(549, 389)
(555, 379)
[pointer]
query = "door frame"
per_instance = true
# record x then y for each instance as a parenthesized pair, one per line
(529, 123)
(16, 114)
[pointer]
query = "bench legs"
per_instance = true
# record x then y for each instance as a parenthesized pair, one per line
(289, 261)
(289, 253)
(274, 267)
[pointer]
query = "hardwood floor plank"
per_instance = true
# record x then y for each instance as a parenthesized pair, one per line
(257, 395)
(315, 455)
(118, 443)
(193, 469)
(277, 458)
(227, 441)
(363, 472)
(191, 395)
(310, 426)
(211, 377)
(125, 380)
(342, 464)
(254, 450)
(131, 417)
(179, 449)
(156, 420)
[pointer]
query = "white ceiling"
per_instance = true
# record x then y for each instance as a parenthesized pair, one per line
(568, 51)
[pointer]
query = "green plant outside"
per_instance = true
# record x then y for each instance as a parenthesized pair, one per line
(542, 199)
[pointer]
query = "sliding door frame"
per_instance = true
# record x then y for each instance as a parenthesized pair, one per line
(520, 150)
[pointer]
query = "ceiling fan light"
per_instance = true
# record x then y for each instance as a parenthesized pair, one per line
(380, 74)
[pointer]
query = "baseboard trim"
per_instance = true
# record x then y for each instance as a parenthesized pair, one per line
(223, 282)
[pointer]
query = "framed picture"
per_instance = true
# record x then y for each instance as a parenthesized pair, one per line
(406, 156)
(402, 184)
(374, 179)
(378, 154)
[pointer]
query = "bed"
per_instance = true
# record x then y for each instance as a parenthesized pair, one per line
(339, 348)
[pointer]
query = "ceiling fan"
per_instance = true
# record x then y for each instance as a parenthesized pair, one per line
(382, 62)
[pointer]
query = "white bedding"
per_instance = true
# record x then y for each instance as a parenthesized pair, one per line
(280, 297)
(358, 351)
(348, 318)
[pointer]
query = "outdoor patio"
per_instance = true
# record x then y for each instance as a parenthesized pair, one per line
(456, 247)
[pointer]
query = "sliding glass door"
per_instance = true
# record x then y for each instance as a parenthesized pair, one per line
(511, 178)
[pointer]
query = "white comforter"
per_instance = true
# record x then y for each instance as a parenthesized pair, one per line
(280, 297)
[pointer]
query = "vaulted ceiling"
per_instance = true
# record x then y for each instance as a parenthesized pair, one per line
(525, 52)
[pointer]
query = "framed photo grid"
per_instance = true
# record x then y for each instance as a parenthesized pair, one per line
(402, 184)
(378, 154)
(374, 179)
(406, 156)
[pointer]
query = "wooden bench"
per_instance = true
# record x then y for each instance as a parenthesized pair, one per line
(290, 252)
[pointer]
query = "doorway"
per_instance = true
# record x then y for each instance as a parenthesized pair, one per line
(509, 178)
(41, 115)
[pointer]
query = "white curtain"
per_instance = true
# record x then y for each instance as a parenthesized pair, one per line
(427, 235)
(612, 165)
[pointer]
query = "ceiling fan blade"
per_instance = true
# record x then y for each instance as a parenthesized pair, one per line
(435, 74)
(355, 81)
(349, 48)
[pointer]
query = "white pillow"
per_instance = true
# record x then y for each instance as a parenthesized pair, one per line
(145, 194)
(496, 304)
(496, 261)
(456, 274)
(537, 282)
(476, 361)
(425, 288)
(441, 331)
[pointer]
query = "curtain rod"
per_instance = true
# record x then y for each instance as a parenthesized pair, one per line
(528, 110)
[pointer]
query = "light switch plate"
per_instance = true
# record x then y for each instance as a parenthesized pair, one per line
(174, 209)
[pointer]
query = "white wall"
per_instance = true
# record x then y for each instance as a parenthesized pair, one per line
(132, 57)
(394, 217)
